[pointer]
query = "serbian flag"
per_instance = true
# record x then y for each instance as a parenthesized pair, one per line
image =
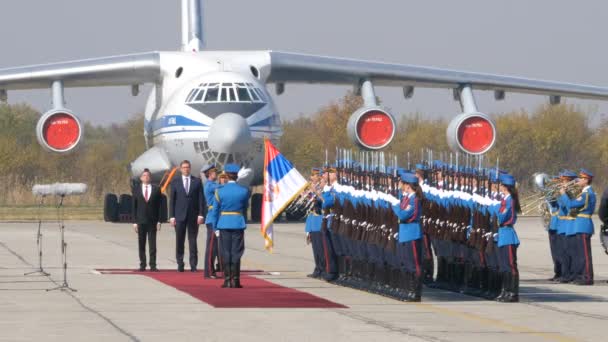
(282, 183)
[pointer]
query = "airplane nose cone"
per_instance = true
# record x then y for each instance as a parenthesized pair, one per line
(229, 133)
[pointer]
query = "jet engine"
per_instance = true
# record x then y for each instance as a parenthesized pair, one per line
(59, 130)
(371, 128)
(473, 133)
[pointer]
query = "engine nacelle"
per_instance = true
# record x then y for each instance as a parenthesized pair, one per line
(59, 130)
(371, 128)
(473, 133)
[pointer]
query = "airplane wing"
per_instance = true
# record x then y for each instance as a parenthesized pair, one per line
(108, 71)
(291, 67)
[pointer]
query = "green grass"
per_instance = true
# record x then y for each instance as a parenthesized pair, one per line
(31, 213)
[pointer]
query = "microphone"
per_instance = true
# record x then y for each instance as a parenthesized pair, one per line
(59, 189)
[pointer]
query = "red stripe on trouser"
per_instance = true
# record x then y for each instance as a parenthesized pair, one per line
(416, 258)
(210, 257)
(482, 259)
(325, 252)
(583, 236)
(510, 247)
(426, 247)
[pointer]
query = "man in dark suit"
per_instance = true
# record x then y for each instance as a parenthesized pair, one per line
(146, 213)
(187, 211)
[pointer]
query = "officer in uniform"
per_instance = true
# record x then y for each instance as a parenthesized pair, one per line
(209, 173)
(313, 224)
(230, 208)
(581, 264)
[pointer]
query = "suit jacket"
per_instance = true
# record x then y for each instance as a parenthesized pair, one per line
(146, 212)
(186, 206)
(603, 211)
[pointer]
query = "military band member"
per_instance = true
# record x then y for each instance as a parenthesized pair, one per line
(230, 208)
(565, 230)
(581, 263)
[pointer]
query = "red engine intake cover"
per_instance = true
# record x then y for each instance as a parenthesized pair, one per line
(373, 128)
(59, 131)
(476, 134)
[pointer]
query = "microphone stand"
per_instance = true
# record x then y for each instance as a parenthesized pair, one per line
(39, 242)
(64, 247)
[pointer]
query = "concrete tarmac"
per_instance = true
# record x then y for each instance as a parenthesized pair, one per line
(138, 308)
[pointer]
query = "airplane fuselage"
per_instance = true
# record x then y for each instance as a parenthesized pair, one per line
(211, 107)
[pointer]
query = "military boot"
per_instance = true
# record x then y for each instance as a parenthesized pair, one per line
(236, 275)
(227, 276)
(415, 293)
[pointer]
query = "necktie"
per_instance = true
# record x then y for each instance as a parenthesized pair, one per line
(146, 193)
(187, 184)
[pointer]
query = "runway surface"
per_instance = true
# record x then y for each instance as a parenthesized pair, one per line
(139, 308)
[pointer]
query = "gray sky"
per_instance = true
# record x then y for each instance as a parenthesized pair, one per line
(548, 39)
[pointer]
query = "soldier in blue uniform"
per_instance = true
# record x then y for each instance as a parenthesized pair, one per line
(409, 236)
(565, 231)
(581, 263)
(328, 198)
(209, 172)
(553, 236)
(230, 209)
(508, 240)
(313, 224)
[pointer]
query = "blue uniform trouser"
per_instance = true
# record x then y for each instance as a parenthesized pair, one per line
(211, 250)
(553, 245)
(507, 256)
(233, 245)
(329, 254)
(568, 256)
(317, 252)
(582, 263)
(410, 254)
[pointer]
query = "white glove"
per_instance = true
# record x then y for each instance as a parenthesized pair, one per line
(217, 233)
(395, 235)
(495, 236)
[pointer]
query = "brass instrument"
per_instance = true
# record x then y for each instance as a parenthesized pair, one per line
(547, 191)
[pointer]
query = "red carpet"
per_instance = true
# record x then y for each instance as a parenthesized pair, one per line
(257, 293)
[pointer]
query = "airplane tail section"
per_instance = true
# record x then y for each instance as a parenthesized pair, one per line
(193, 39)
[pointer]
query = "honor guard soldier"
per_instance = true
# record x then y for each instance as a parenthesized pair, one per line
(409, 248)
(329, 198)
(508, 240)
(209, 173)
(230, 206)
(581, 264)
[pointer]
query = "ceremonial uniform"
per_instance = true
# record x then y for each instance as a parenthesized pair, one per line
(231, 202)
(507, 245)
(581, 263)
(211, 245)
(409, 250)
(328, 240)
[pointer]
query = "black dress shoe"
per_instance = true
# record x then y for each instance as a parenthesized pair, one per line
(153, 269)
(193, 270)
(180, 268)
(142, 269)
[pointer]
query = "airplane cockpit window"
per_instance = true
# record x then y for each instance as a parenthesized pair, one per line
(226, 93)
